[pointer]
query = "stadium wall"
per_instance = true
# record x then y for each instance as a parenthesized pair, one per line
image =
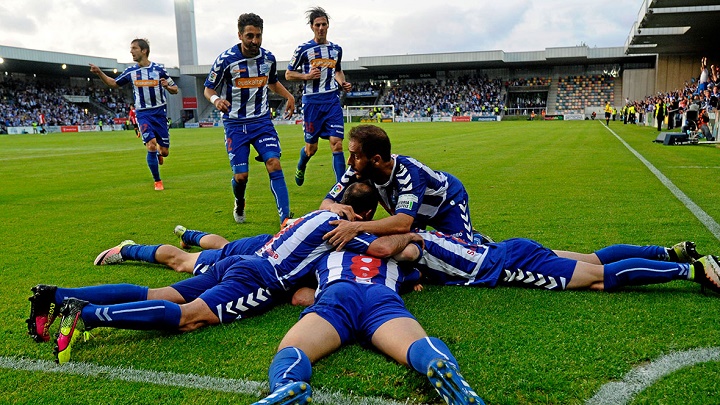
(637, 84)
(674, 70)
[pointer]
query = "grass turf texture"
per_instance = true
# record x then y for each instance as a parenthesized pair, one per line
(569, 185)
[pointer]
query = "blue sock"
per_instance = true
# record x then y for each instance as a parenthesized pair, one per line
(339, 165)
(152, 162)
(239, 190)
(142, 315)
(289, 365)
(143, 253)
(641, 272)
(192, 237)
(425, 350)
(304, 159)
(615, 253)
(104, 294)
(280, 191)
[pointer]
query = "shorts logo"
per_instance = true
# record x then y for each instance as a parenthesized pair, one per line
(406, 202)
(337, 190)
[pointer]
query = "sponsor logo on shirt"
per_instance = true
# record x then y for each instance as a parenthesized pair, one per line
(250, 82)
(406, 202)
(336, 190)
(146, 83)
(323, 63)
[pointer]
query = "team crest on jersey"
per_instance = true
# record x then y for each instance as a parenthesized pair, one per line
(336, 190)
(333, 53)
(406, 202)
(265, 68)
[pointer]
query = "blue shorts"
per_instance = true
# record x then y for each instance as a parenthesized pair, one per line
(356, 310)
(244, 246)
(323, 121)
(233, 288)
(531, 265)
(238, 138)
(153, 125)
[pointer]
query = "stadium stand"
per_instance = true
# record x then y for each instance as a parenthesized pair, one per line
(577, 92)
(23, 99)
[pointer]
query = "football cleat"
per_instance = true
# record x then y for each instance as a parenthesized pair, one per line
(239, 212)
(43, 311)
(179, 231)
(159, 186)
(299, 177)
(708, 273)
(685, 252)
(451, 386)
(71, 328)
(112, 255)
(294, 393)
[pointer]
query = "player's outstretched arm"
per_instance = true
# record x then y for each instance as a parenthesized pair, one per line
(109, 81)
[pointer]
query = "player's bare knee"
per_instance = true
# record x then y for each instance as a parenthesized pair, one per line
(273, 165)
(241, 177)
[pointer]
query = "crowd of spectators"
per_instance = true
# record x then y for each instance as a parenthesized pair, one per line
(699, 94)
(529, 82)
(23, 101)
(469, 95)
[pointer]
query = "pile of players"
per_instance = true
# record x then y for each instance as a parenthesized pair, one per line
(346, 267)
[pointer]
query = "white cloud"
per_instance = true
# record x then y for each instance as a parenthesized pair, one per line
(365, 28)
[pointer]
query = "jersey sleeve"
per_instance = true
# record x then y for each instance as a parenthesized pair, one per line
(215, 77)
(272, 74)
(411, 189)
(124, 78)
(296, 60)
(338, 65)
(360, 243)
(337, 192)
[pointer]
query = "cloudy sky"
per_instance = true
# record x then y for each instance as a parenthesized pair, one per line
(363, 28)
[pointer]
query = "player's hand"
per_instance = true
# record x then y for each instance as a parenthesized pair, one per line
(344, 211)
(418, 287)
(94, 69)
(303, 297)
(347, 86)
(313, 74)
(222, 105)
(289, 107)
(343, 233)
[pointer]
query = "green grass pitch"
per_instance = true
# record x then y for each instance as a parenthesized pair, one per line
(569, 185)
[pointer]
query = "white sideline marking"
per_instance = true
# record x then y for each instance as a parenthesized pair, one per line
(704, 218)
(177, 380)
(620, 393)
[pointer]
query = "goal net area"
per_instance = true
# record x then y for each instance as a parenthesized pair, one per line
(370, 113)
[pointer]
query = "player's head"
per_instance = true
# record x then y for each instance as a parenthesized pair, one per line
(319, 22)
(369, 147)
(363, 199)
(139, 49)
(250, 28)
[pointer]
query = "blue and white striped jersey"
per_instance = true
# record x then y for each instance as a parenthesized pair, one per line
(146, 85)
(244, 83)
(360, 269)
(294, 251)
(413, 189)
(327, 57)
(450, 261)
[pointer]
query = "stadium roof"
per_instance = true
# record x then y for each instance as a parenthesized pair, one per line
(675, 27)
(49, 63)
